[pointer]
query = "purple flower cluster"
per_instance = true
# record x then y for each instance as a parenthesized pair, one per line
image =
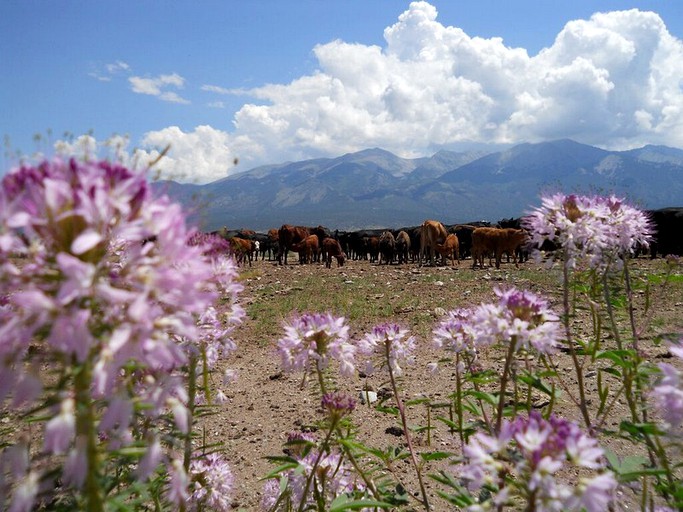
(391, 344)
(668, 393)
(523, 461)
(320, 476)
(456, 333)
(315, 339)
(211, 483)
(338, 404)
(518, 315)
(108, 284)
(592, 230)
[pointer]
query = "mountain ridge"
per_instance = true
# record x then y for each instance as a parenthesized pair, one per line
(375, 188)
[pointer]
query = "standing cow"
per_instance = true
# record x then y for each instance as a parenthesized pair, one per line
(495, 242)
(431, 234)
(450, 249)
(307, 249)
(402, 246)
(387, 246)
(288, 236)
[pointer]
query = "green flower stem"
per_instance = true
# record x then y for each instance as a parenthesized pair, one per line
(503, 383)
(404, 422)
(583, 405)
(85, 429)
(311, 475)
(191, 398)
(356, 466)
(458, 400)
(482, 407)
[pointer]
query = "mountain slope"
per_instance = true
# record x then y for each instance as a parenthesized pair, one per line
(374, 188)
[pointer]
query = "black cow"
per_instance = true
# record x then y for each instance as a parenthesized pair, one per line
(668, 231)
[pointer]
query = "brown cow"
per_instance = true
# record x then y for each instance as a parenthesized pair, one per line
(450, 249)
(387, 246)
(332, 247)
(287, 236)
(432, 233)
(496, 242)
(307, 249)
(241, 248)
(372, 246)
(402, 246)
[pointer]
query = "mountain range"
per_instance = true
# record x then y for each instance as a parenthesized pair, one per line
(375, 188)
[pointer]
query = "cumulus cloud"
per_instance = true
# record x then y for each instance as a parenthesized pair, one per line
(158, 87)
(204, 155)
(613, 80)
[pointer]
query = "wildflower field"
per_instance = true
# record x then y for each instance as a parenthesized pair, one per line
(143, 370)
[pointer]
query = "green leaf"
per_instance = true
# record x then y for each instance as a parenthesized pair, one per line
(535, 382)
(417, 401)
(630, 465)
(389, 410)
(622, 358)
(486, 397)
(435, 456)
(639, 430)
(343, 502)
(281, 469)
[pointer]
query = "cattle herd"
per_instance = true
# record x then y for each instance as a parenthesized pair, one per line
(430, 243)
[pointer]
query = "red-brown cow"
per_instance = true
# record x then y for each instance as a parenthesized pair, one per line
(450, 249)
(432, 233)
(332, 247)
(402, 246)
(307, 249)
(496, 242)
(242, 249)
(287, 236)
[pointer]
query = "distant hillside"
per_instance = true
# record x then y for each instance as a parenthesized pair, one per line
(375, 188)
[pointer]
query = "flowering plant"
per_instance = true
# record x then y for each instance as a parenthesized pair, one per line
(105, 307)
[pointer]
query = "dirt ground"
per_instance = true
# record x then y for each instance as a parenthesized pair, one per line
(264, 405)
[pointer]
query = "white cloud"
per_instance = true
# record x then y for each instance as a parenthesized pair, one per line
(158, 87)
(217, 89)
(117, 67)
(204, 155)
(110, 70)
(614, 80)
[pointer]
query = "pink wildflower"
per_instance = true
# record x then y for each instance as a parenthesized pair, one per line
(455, 332)
(330, 476)
(212, 483)
(518, 315)
(668, 392)
(60, 430)
(591, 230)
(391, 343)
(529, 453)
(315, 338)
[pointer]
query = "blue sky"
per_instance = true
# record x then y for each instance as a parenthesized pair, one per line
(270, 81)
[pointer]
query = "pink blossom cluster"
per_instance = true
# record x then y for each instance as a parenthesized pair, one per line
(312, 340)
(317, 338)
(668, 392)
(593, 231)
(525, 460)
(99, 281)
(211, 483)
(389, 343)
(320, 477)
(519, 316)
